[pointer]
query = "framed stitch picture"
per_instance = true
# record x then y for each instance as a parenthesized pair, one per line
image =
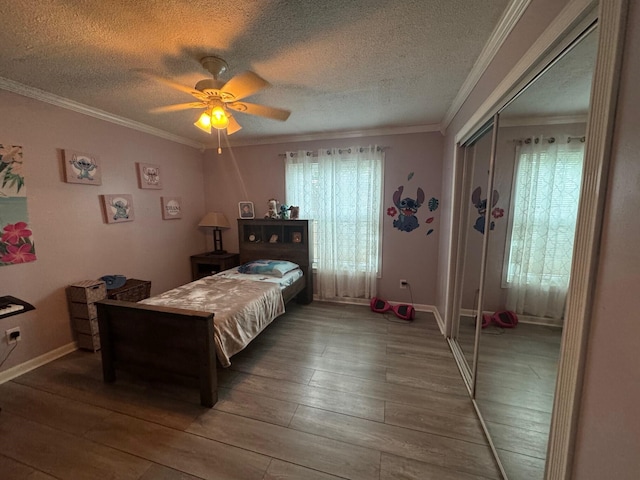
(149, 176)
(118, 208)
(81, 168)
(171, 208)
(246, 209)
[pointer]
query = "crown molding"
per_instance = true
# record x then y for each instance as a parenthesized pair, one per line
(549, 120)
(58, 101)
(333, 135)
(41, 95)
(507, 22)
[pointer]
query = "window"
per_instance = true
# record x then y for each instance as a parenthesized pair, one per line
(542, 222)
(341, 191)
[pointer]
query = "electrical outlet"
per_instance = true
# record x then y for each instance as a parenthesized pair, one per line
(403, 283)
(13, 335)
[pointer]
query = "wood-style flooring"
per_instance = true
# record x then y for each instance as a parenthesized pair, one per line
(326, 392)
(517, 372)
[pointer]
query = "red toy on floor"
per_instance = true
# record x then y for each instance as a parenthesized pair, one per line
(404, 312)
(502, 318)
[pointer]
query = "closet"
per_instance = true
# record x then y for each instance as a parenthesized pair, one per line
(526, 193)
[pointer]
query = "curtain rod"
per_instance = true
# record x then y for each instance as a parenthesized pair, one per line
(536, 140)
(340, 150)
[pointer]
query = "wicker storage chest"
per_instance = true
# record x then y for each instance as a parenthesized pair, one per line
(81, 297)
(87, 291)
(132, 291)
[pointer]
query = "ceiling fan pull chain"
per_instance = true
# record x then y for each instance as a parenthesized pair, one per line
(219, 148)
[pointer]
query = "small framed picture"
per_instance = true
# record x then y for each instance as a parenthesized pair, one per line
(171, 208)
(118, 208)
(81, 168)
(273, 239)
(246, 209)
(149, 176)
(296, 237)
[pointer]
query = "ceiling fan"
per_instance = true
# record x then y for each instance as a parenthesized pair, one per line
(218, 98)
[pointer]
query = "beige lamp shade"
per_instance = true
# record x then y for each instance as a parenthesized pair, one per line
(216, 220)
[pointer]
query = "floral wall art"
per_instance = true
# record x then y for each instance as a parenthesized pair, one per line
(16, 241)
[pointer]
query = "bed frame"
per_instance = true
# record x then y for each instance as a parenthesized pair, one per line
(176, 345)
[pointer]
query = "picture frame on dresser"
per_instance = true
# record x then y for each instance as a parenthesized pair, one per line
(245, 210)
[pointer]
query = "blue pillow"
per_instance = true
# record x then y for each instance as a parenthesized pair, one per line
(274, 268)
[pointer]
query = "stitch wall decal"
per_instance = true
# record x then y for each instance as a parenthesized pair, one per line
(408, 207)
(433, 204)
(481, 205)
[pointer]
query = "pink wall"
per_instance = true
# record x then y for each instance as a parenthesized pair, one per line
(608, 442)
(72, 241)
(256, 173)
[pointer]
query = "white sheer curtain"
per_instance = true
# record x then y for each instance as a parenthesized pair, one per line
(544, 211)
(341, 191)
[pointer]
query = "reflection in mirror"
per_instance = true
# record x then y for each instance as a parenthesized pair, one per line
(474, 204)
(538, 166)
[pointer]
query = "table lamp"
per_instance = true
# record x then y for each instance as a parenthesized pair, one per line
(217, 221)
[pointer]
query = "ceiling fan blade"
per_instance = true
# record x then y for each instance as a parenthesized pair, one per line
(177, 107)
(233, 126)
(170, 83)
(260, 110)
(245, 84)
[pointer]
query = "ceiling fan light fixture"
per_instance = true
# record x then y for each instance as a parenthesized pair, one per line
(204, 122)
(219, 118)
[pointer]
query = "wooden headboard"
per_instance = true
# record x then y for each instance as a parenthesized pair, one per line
(278, 240)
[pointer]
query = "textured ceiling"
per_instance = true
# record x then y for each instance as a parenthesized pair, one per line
(564, 89)
(348, 65)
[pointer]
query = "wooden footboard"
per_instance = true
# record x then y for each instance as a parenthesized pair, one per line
(160, 343)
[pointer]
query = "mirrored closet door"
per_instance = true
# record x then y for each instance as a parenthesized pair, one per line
(475, 174)
(518, 210)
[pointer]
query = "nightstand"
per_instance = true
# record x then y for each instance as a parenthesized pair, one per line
(205, 264)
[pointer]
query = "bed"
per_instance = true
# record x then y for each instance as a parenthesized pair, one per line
(177, 335)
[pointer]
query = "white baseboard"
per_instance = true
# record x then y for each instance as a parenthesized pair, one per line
(419, 307)
(439, 319)
(543, 321)
(34, 363)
